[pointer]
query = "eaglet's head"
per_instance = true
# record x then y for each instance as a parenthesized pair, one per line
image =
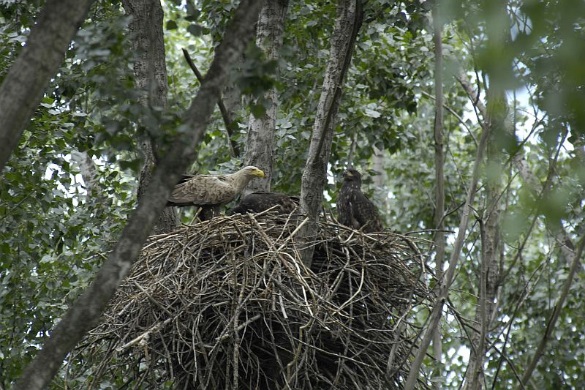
(351, 175)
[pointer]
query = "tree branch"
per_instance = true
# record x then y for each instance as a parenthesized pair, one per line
(347, 25)
(447, 279)
(552, 321)
(234, 147)
(87, 309)
(22, 89)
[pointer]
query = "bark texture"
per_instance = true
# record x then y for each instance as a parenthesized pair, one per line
(87, 309)
(150, 75)
(491, 256)
(347, 24)
(260, 143)
(23, 87)
(439, 217)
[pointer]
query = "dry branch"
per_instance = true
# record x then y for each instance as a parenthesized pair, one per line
(228, 122)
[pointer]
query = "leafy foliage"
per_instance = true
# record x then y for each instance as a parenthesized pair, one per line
(56, 225)
(54, 230)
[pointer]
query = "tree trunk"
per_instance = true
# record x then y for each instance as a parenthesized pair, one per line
(495, 119)
(260, 144)
(228, 104)
(24, 85)
(150, 74)
(347, 24)
(439, 217)
(489, 270)
(86, 311)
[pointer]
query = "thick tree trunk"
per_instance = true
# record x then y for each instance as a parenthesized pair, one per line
(23, 87)
(150, 74)
(260, 144)
(86, 311)
(347, 25)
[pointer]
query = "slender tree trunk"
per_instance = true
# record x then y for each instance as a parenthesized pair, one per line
(86, 311)
(261, 130)
(447, 280)
(551, 322)
(228, 104)
(347, 25)
(24, 85)
(150, 74)
(489, 270)
(439, 239)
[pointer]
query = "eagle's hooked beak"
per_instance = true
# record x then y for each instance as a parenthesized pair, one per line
(347, 174)
(258, 173)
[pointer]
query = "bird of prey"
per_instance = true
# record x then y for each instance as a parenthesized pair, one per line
(212, 191)
(354, 208)
(257, 202)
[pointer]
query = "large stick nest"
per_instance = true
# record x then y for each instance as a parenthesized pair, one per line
(228, 304)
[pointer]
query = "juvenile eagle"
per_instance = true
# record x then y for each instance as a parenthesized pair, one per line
(354, 208)
(212, 191)
(257, 202)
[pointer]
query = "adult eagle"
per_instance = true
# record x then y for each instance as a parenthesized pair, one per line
(211, 191)
(354, 208)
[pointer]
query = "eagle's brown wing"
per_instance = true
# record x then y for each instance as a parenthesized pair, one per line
(357, 211)
(345, 201)
(202, 190)
(366, 213)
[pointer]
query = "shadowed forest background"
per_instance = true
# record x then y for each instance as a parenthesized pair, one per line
(465, 119)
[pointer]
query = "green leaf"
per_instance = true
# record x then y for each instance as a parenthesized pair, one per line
(171, 25)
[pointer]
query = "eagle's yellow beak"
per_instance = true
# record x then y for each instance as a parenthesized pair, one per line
(258, 173)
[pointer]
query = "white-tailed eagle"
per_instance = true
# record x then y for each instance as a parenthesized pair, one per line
(212, 191)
